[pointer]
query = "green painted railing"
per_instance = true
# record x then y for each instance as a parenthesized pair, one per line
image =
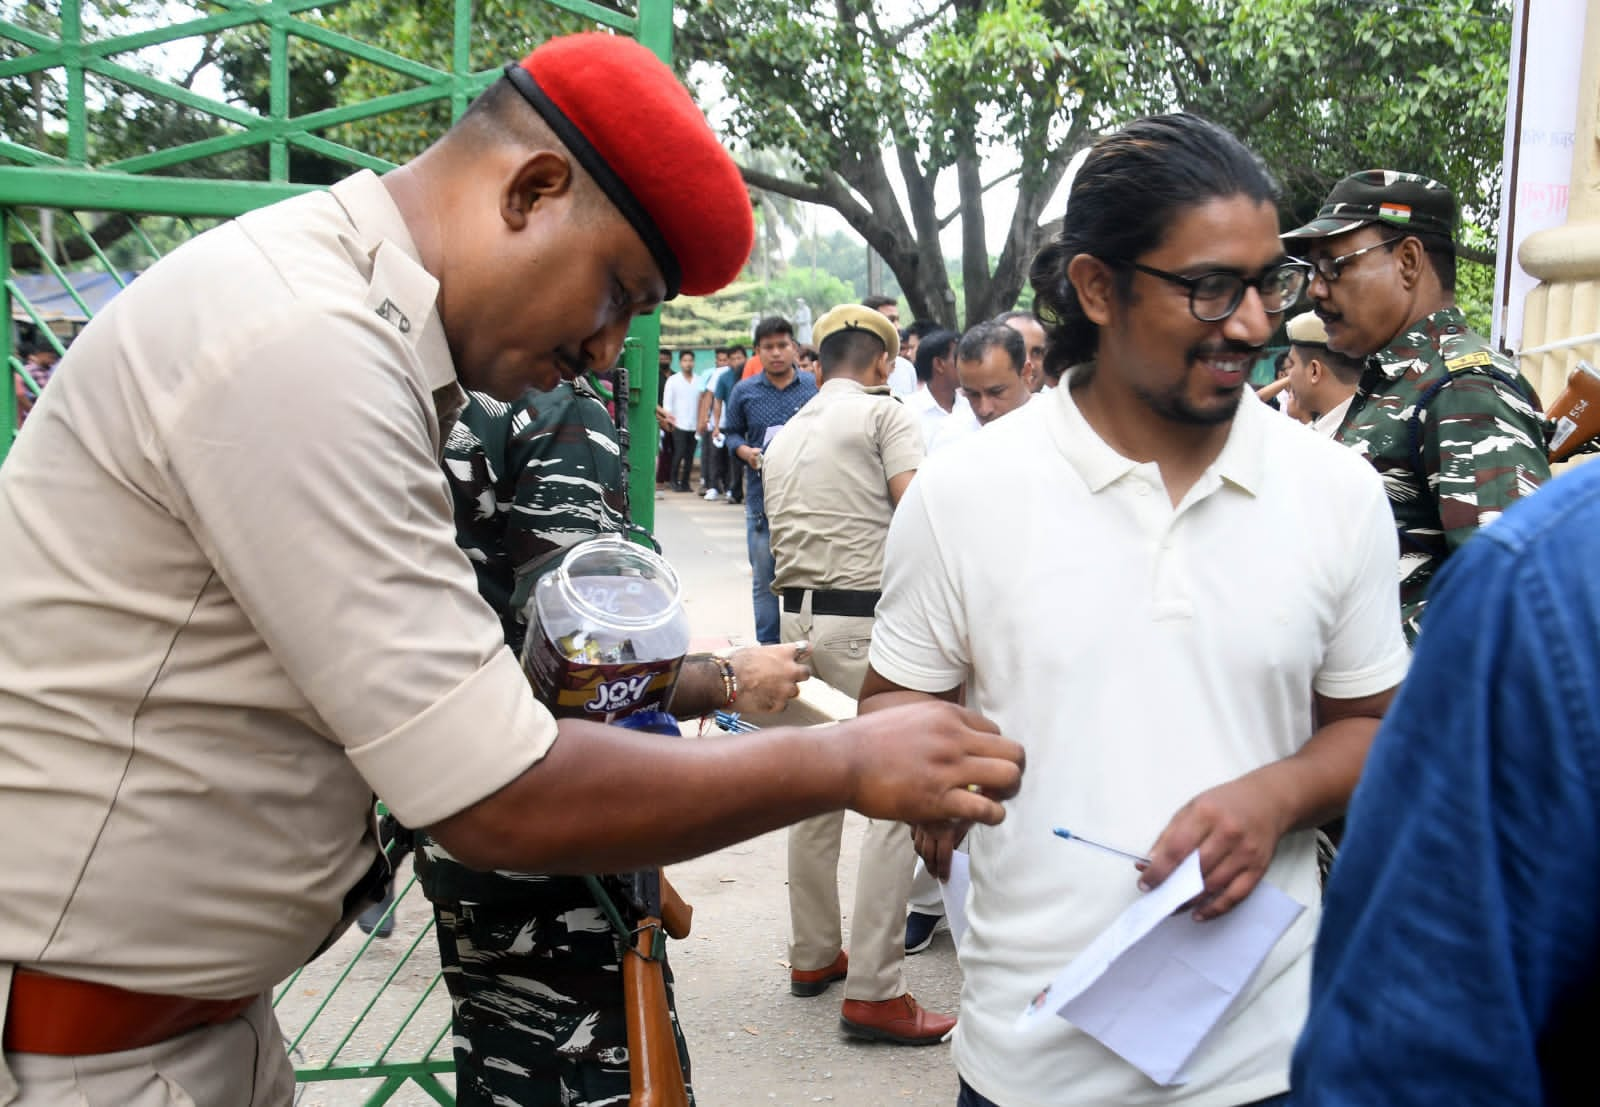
(142, 184)
(344, 1017)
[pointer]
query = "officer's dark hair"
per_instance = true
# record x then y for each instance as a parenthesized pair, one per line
(1133, 185)
(500, 116)
(851, 351)
(878, 300)
(771, 325)
(985, 336)
(935, 343)
(1348, 370)
(1442, 256)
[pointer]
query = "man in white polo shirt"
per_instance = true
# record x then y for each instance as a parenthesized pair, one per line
(1093, 604)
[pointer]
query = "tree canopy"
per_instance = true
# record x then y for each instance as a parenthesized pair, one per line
(870, 109)
(987, 91)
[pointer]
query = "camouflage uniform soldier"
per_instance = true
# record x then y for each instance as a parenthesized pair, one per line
(1446, 420)
(527, 480)
(533, 965)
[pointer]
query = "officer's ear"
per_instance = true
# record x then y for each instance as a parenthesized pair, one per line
(1412, 259)
(1315, 369)
(541, 177)
(881, 368)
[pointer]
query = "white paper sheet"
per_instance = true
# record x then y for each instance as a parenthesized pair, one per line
(1152, 985)
(954, 893)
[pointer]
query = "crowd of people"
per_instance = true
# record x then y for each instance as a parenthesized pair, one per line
(271, 531)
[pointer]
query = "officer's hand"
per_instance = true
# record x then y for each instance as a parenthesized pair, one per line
(769, 676)
(935, 842)
(1236, 827)
(930, 762)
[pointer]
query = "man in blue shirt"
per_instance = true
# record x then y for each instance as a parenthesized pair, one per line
(757, 407)
(1461, 931)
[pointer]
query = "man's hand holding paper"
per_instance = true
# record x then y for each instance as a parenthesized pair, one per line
(1235, 827)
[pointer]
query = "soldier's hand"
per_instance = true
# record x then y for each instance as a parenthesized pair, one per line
(935, 842)
(1236, 827)
(769, 676)
(931, 762)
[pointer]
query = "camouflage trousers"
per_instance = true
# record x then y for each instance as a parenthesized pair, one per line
(536, 990)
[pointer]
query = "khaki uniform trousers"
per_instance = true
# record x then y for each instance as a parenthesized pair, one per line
(240, 1063)
(878, 922)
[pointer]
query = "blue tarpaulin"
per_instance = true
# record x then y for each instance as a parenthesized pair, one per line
(54, 303)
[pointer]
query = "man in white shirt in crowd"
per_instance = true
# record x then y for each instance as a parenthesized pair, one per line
(1167, 702)
(1320, 380)
(936, 397)
(682, 401)
(903, 377)
(992, 374)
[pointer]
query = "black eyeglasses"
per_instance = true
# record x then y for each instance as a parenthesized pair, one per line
(1330, 268)
(1215, 296)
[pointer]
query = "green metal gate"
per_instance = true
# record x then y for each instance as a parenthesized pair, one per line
(342, 1023)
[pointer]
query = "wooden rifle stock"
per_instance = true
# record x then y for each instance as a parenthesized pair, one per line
(655, 1074)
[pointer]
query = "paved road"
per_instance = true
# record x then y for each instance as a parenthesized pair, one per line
(751, 1041)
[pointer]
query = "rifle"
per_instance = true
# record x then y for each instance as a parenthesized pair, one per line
(657, 1078)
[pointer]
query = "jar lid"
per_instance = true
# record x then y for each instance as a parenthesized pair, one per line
(612, 555)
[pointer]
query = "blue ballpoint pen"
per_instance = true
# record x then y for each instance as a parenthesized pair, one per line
(1063, 832)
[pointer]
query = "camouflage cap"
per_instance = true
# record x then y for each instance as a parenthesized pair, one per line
(1403, 200)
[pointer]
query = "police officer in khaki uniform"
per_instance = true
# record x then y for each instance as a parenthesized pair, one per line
(233, 607)
(834, 475)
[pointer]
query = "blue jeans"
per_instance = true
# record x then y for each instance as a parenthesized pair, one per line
(758, 539)
(970, 1098)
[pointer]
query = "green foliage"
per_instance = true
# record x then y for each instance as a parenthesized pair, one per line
(1475, 284)
(1319, 87)
(842, 255)
(781, 295)
(720, 319)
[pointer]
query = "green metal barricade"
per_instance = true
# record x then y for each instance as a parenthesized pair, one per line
(370, 1019)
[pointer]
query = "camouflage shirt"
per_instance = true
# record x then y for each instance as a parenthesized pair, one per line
(1482, 443)
(528, 480)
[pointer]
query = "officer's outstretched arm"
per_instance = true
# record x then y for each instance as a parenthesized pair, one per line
(605, 799)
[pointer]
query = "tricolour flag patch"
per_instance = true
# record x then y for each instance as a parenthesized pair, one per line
(1394, 213)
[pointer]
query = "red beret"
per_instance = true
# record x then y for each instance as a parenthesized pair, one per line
(633, 127)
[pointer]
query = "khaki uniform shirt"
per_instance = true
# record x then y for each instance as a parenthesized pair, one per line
(233, 607)
(827, 475)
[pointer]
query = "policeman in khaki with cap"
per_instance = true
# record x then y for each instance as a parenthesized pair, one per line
(234, 608)
(1443, 417)
(833, 477)
(1321, 381)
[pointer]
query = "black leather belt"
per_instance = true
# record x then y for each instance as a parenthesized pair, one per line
(831, 601)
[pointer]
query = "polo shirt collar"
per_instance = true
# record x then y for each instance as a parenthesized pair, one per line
(1241, 463)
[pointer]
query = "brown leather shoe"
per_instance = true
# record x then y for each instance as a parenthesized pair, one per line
(901, 1020)
(813, 982)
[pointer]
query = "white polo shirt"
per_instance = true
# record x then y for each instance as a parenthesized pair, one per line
(1142, 654)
